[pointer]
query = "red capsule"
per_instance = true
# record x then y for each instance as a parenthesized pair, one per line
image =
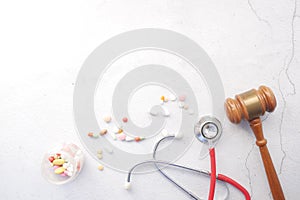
(51, 158)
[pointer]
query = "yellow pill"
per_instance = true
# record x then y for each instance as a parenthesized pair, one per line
(59, 170)
(58, 162)
(100, 167)
(120, 131)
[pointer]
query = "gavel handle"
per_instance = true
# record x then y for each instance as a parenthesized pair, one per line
(261, 142)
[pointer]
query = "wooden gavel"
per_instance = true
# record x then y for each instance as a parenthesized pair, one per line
(251, 105)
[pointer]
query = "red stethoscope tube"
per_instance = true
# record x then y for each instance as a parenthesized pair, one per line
(213, 172)
(221, 177)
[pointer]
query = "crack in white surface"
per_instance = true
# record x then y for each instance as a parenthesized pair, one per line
(248, 170)
(257, 16)
(285, 70)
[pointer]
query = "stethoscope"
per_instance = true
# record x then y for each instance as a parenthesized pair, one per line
(207, 130)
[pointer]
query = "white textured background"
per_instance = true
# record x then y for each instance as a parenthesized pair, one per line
(44, 43)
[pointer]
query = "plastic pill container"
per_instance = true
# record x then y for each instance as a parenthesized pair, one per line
(62, 164)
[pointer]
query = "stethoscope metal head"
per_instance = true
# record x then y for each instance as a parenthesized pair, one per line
(208, 129)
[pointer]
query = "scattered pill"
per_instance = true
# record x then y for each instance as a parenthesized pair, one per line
(100, 167)
(182, 98)
(95, 135)
(185, 107)
(180, 104)
(103, 131)
(99, 151)
(114, 137)
(122, 137)
(115, 130)
(162, 102)
(107, 119)
(99, 156)
(129, 139)
(90, 134)
(138, 139)
(125, 119)
(162, 98)
(59, 170)
(120, 131)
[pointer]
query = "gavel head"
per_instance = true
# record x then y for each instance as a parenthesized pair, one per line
(250, 105)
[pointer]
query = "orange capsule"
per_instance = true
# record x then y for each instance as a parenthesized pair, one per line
(162, 98)
(120, 131)
(137, 139)
(90, 134)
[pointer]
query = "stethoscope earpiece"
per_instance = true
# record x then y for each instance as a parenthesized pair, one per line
(208, 129)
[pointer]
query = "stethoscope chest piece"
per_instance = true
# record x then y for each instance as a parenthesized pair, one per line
(208, 129)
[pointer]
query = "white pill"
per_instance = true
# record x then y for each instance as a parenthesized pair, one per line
(180, 104)
(70, 169)
(115, 130)
(69, 173)
(107, 119)
(129, 139)
(99, 156)
(186, 106)
(113, 136)
(162, 102)
(66, 165)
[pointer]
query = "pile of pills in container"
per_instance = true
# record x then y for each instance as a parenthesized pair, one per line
(60, 165)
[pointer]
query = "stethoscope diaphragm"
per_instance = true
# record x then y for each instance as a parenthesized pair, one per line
(208, 129)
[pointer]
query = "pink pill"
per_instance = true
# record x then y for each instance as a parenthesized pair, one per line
(55, 167)
(63, 174)
(182, 98)
(122, 137)
(125, 119)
